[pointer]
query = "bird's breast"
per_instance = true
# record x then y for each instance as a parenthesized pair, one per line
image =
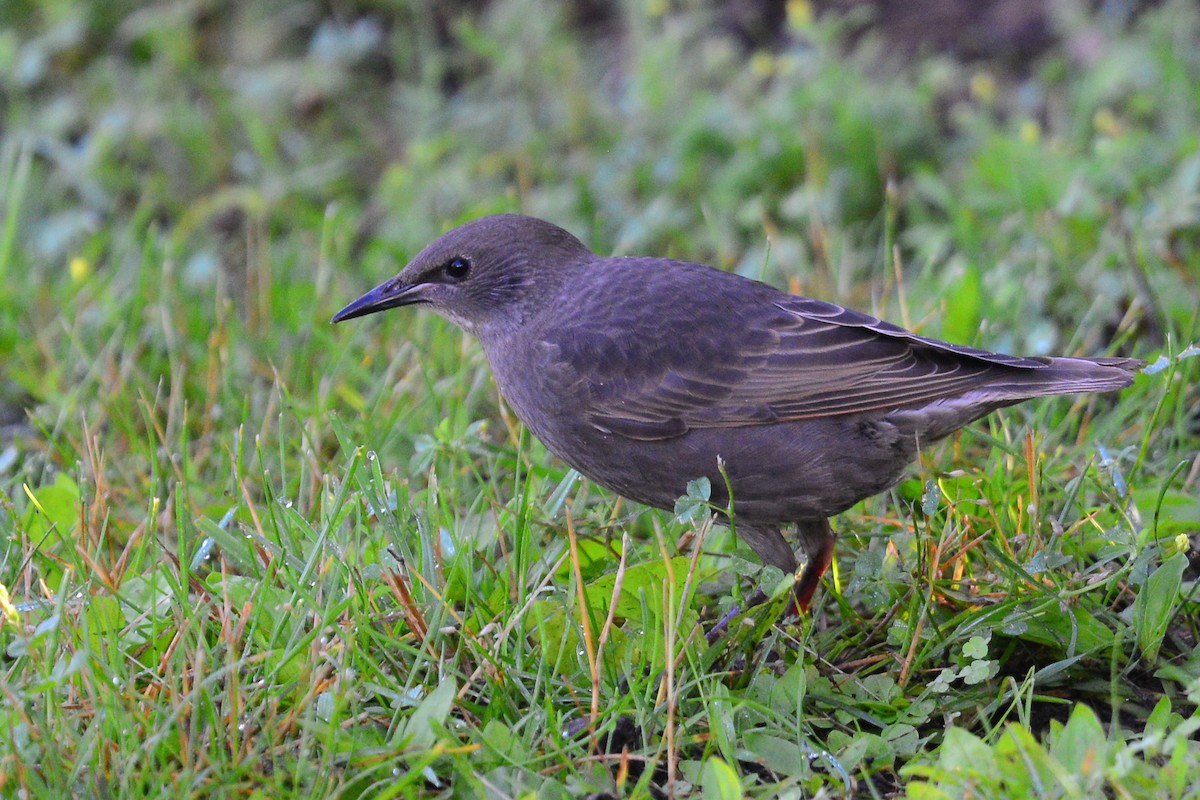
(542, 389)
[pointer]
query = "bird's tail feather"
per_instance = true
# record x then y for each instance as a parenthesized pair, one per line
(1059, 376)
(1064, 376)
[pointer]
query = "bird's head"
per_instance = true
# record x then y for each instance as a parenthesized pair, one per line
(486, 276)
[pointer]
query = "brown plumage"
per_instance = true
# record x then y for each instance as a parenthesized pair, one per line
(642, 372)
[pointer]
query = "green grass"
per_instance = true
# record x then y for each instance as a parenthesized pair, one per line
(247, 553)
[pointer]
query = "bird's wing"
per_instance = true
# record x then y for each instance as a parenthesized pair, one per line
(657, 373)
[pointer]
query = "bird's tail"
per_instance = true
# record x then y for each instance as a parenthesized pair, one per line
(1057, 376)
(1064, 376)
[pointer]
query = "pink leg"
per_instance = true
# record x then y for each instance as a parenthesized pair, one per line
(816, 537)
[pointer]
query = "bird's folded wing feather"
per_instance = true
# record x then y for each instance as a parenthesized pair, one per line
(793, 358)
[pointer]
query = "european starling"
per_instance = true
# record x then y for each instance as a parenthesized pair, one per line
(642, 372)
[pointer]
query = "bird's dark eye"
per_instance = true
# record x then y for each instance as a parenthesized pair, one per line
(458, 267)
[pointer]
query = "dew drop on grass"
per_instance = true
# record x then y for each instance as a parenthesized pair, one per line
(203, 552)
(325, 706)
(1114, 470)
(931, 498)
(371, 455)
(1161, 363)
(446, 539)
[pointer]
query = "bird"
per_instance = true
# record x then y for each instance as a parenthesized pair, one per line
(645, 373)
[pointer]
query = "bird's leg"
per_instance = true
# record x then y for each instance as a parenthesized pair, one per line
(773, 549)
(770, 546)
(816, 538)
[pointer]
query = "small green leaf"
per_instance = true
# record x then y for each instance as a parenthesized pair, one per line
(1025, 765)
(902, 738)
(1160, 718)
(500, 739)
(852, 750)
(1156, 604)
(942, 683)
(963, 753)
(421, 729)
(639, 581)
(719, 781)
(880, 688)
(1081, 744)
(1072, 628)
(54, 507)
(777, 754)
(695, 501)
(979, 671)
(977, 646)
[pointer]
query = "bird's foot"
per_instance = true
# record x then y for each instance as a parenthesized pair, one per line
(715, 632)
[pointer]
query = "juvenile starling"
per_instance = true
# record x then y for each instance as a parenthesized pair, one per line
(642, 372)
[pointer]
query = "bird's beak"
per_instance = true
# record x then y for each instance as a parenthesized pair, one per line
(388, 294)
